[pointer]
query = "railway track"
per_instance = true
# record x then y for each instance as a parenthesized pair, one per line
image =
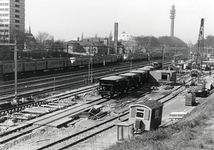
(165, 98)
(11, 109)
(63, 82)
(51, 81)
(77, 138)
(84, 71)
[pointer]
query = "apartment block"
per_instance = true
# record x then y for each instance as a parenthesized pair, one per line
(12, 18)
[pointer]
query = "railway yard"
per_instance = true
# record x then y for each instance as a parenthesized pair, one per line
(116, 92)
(80, 118)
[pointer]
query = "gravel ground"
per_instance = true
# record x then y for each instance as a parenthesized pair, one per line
(46, 135)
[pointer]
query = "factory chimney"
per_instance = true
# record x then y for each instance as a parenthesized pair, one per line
(115, 37)
(172, 17)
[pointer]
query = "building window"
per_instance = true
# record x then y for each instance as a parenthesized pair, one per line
(3, 25)
(3, 30)
(17, 21)
(17, 11)
(4, 20)
(140, 113)
(17, 6)
(4, 4)
(17, 16)
(16, 0)
(4, 15)
(17, 26)
(164, 77)
(4, 9)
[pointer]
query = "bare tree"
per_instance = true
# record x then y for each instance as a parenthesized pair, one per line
(42, 39)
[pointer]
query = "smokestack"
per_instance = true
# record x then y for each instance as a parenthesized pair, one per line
(115, 37)
(172, 17)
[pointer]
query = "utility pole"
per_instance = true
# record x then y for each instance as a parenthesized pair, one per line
(67, 55)
(15, 59)
(163, 56)
(89, 64)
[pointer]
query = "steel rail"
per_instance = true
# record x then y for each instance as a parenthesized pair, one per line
(51, 86)
(19, 134)
(170, 95)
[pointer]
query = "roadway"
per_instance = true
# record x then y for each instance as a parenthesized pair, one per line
(178, 104)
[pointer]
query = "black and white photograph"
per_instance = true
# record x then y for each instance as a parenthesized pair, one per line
(106, 74)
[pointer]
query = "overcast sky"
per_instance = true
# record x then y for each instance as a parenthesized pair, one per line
(68, 19)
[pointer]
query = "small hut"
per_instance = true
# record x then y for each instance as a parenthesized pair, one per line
(162, 76)
(146, 115)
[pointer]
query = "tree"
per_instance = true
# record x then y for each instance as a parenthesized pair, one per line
(209, 41)
(171, 41)
(42, 38)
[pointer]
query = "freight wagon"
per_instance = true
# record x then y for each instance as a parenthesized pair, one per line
(109, 86)
(115, 85)
(34, 65)
(132, 79)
